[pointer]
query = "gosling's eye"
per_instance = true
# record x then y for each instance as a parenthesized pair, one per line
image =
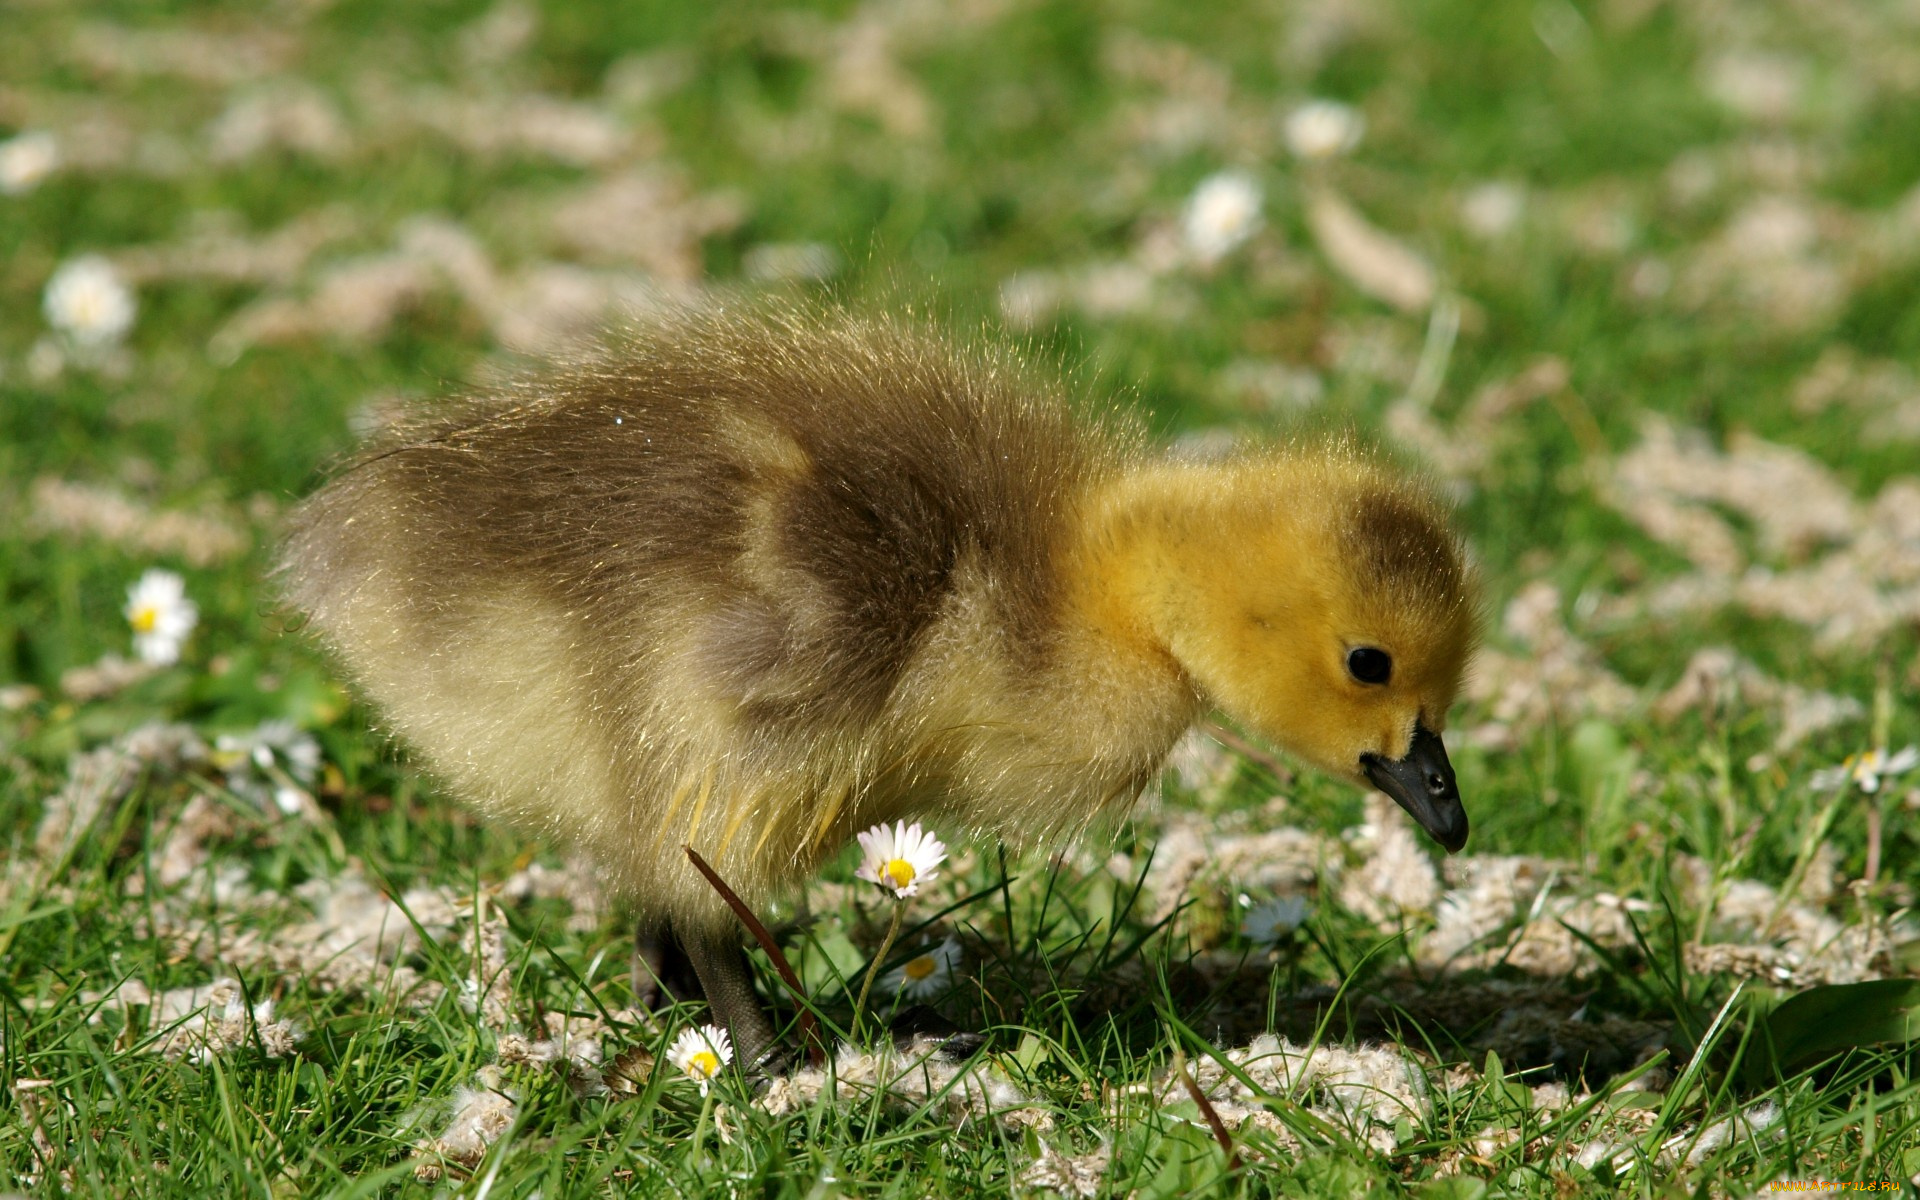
(1369, 665)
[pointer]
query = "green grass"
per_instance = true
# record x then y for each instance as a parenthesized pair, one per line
(1013, 139)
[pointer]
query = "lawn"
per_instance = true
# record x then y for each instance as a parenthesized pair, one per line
(1638, 283)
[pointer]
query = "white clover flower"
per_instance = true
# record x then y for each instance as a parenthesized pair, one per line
(1866, 770)
(1271, 922)
(277, 762)
(701, 1053)
(88, 302)
(1321, 129)
(926, 974)
(1222, 213)
(25, 160)
(161, 616)
(900, 857)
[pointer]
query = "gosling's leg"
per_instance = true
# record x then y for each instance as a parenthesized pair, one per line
(662, 972)
(728, 982)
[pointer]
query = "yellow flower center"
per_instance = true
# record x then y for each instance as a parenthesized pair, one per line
(900, 871)
(919, 968)
(1864, 769)
(145, 618)
(704, 1065)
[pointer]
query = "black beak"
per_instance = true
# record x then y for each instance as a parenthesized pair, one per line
(1422, 783)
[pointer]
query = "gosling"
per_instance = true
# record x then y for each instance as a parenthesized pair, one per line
(753, 581)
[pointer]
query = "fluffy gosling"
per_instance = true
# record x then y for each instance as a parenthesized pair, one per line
(753, 581)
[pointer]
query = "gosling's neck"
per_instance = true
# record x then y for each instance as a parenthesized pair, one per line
(1153, 545)
(1166, 556)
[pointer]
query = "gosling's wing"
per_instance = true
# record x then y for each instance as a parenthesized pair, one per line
(891, 473)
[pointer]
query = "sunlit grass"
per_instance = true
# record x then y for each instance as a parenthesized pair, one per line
(969, 149)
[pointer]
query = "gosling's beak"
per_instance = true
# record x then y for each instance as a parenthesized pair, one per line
(1422, 783)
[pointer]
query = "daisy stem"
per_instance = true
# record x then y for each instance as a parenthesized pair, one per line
(873, 968)
(1873, 839)
(700, 1126)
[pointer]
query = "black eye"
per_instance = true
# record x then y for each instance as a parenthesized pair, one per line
(1369, 665)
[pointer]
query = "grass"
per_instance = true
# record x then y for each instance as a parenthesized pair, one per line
(1704, 203)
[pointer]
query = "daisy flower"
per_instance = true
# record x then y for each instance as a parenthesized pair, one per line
(1223, 212)
(1866, 770)
(701, 1053)
(161, 616)
(1273, 921)
(277, 761)
(900, 857)
(927, 974)
(88, 302)
(25, 160)
(1322, 129)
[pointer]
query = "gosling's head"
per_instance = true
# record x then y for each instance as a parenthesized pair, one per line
(1321, 599)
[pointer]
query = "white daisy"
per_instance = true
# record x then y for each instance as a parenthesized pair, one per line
(278, 761)
(1321, 129)
(1866, 770)
(900, 857)
(1223, 212)
(927, 974)
(25, 160)
(1273, 921)
(701, 1053)
(161, 616)
(88, 302)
